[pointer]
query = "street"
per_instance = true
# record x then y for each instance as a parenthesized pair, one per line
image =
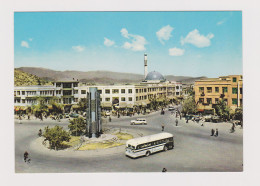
(195, 150)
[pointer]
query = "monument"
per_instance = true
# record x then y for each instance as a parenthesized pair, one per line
(93, 114)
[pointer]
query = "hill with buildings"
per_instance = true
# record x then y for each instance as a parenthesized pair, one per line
(97, 77)
(26, 79)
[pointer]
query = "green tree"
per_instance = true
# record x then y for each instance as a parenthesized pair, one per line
(189, 106)
(41, 106)
(55, 136)
(239, 113)
(82, 104)
(154, 103)
(56, 107)
(222, 109)
(77, 126)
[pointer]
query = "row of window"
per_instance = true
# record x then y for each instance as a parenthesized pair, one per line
(145, 145)
(224, 90)
(209, 100)
(122, 99)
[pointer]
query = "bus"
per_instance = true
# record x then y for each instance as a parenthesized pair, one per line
(146, 145)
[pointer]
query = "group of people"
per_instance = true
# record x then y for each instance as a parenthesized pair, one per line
(214, 132)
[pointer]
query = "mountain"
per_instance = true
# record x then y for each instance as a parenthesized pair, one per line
(25, 79)
(97, 77)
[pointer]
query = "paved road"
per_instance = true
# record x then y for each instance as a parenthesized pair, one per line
(195, 149)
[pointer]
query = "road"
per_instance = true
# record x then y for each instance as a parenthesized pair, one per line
(195, 150)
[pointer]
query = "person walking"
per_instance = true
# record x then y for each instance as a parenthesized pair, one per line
(162, 127)
(216, 134)
(176, 122)
(20, 119)
(40, 133)
(212, 132)
(25, 156)
(164, 170)
(110, 119)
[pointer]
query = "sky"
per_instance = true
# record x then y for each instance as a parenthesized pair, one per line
(176, 43)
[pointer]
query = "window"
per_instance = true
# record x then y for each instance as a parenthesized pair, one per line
(130, 99)
(83, 91)
(58, 84)
(216, 100)
(201, 100)
(217, 89)
(23, 92)
(122, 91)
(224, 89)
(145, 97)
(136, 98)
(115, 91)
(209, 89)
(201, 89)
(107, 99)
(234, 79)
(130, 91)
(177, 87)
(241, 91)
(209, 100)
(14, 93)
(75, 99)
(67, 92)
(136, 90)
(75, 91)
(100, 91)
(23, 100)
(100, 99)
(107, 91)
(177, 93)
(18, 92)
(67, 85)
(234, 90)
(234, 101)
(122, 98)
(145, 90)
(75, 84)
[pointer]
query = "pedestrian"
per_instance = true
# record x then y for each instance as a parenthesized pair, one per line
(28, 116)
(202, 124)
(187, 121)
(212, 132)
(162, 127)
(176, 121)
(216, 134)
(164, 170)
(40, 133)
(25, 156)
(109, 119)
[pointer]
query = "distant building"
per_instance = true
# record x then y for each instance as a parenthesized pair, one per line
(209, 91)
(70, 91)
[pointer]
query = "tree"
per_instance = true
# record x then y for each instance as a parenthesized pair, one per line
(239, 113)
(154, 103)
(222, 109)
(189, 105)
(77, 126)
(56, 107)
(55, 136)
(82, 104)
(41, 106)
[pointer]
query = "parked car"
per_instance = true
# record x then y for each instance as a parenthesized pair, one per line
(216, 119)
(171, 108)
(139, 121)
(66, 115)
(207, 118)
(74, 115)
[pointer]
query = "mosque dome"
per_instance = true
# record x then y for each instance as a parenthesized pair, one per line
(154, 76)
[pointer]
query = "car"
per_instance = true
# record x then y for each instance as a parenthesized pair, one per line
(67, 115)
(207, 118)
(171, 108)
(216, 119)
(74, 115)
(139, 121)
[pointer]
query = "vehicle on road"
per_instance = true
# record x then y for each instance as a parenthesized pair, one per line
(216, 119)
(139, 121)
(144, 146)
(207, 118)
(171, 108)
(74, 115)
(67, 115)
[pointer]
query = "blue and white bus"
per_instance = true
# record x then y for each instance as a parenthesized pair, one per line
(144, 146)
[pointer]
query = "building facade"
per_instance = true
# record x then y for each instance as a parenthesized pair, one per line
(209, 91)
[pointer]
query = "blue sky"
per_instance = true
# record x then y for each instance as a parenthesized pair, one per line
(177, 43)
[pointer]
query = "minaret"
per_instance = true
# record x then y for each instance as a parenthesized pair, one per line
(145, 66)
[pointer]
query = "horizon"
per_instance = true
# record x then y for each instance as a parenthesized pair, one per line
(194, 44)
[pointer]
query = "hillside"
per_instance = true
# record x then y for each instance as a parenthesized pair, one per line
(25, 79)
(97, 77)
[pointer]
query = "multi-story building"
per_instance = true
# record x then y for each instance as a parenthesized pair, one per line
(70, 91)
(209, 91)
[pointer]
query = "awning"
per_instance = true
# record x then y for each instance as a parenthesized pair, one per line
(130, 105)
(17, 108)
(122, 104)
(75, 106)
(50, 107)
(106, 104)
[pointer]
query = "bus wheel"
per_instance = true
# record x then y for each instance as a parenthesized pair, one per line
(147, 153)
(165, 148)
